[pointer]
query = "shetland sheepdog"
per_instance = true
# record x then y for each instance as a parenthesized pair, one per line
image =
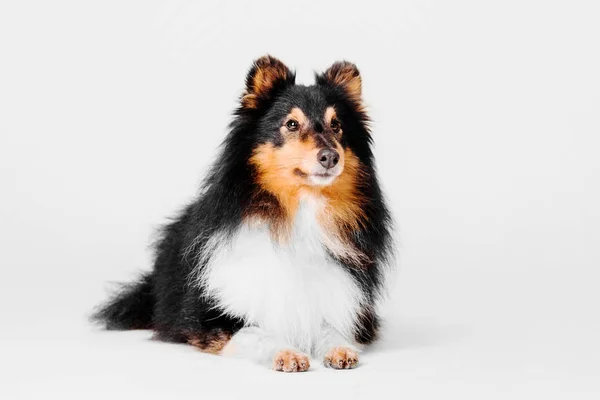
(282, 257)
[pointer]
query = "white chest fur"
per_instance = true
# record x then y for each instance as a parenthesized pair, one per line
(289, 290)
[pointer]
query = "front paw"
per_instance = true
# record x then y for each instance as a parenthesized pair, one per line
(290, 361)
(341, 358)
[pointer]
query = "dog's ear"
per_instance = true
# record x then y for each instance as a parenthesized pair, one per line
(266, 77)
(344, 75)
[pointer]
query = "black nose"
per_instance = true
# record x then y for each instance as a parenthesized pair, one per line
(328, 158)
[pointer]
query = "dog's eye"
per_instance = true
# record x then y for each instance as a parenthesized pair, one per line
(292, 125)
(335, 125)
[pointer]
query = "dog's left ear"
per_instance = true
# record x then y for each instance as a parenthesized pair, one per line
(266, 77)
(345, 75)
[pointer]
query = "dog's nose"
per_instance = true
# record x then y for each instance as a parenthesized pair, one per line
(328, 158)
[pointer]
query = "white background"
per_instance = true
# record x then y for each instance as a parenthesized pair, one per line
(486, 122)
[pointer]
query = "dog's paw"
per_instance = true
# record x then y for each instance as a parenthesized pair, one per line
(290, 361)
(341, 358)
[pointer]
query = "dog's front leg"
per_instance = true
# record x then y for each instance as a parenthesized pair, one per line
(336, 351)
(255, 344)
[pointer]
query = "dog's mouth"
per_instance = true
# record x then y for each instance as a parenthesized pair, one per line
(323, 178)
(319, 176)
(323, 175)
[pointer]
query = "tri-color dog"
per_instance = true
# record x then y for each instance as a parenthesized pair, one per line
(284, 253)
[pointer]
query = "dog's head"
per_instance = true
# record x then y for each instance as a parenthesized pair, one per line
(305, 136)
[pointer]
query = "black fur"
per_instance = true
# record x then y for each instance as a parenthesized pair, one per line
(165, 301)
(132, 307)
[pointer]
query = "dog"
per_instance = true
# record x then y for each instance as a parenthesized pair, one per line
(283, 256)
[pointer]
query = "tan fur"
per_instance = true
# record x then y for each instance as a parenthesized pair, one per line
(346, 74)
(249, 100)
(330, 114)
(269, 70)
(277, 173)
(341, 358)
(210, 342)
(345, 203)
(290, 361)
(299, 116)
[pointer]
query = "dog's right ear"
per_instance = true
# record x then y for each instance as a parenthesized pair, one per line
(343, 75)
(266, 77)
